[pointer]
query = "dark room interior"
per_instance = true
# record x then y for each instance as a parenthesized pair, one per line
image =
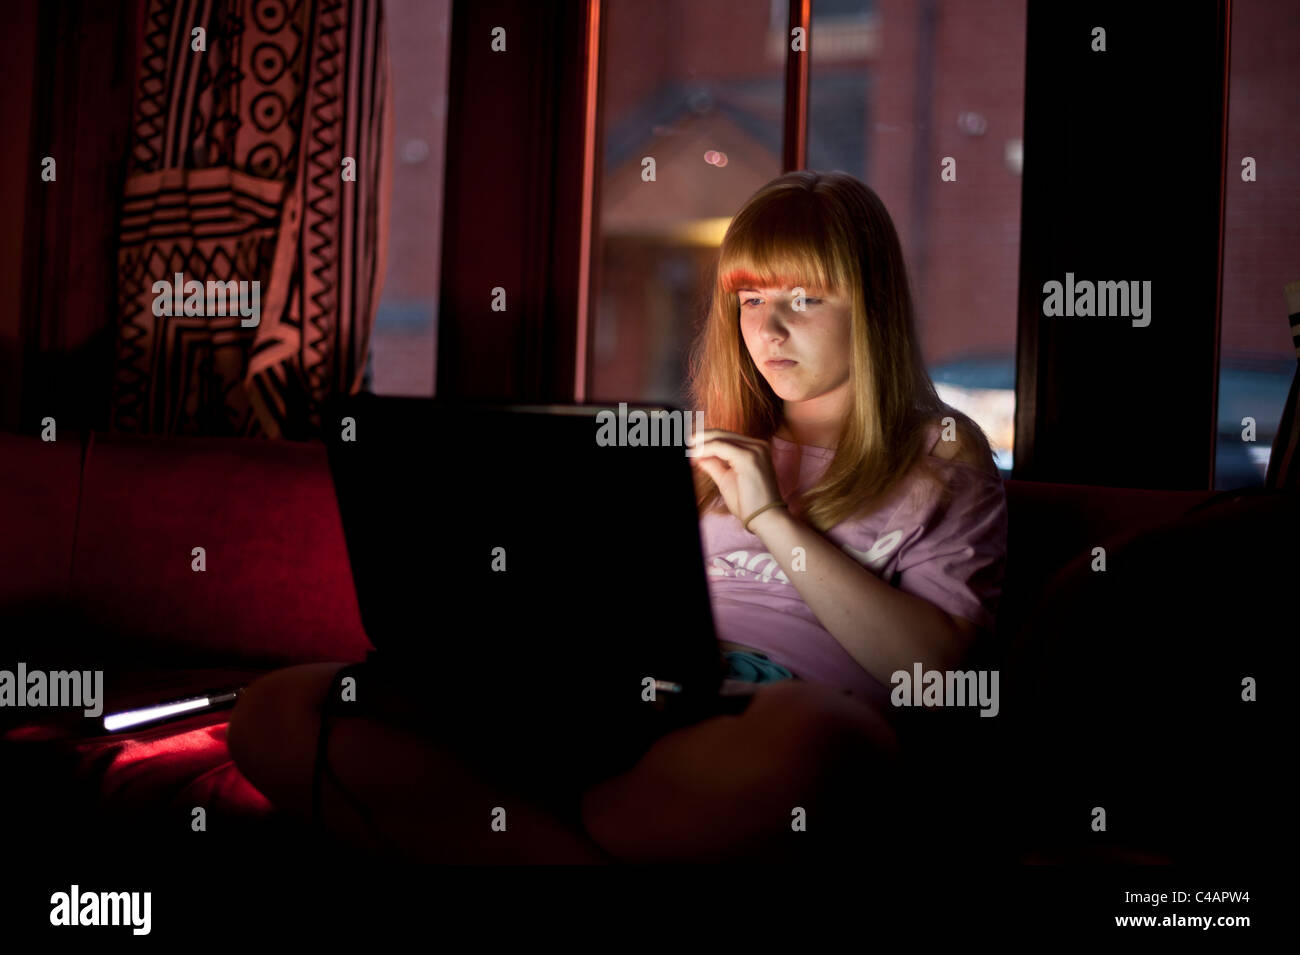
(309, 310)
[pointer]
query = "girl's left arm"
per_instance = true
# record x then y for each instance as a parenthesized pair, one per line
(883, 628)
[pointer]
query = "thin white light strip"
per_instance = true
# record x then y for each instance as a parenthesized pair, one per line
(119, 721)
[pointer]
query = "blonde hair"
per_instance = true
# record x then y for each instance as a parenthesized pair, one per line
(830, 232)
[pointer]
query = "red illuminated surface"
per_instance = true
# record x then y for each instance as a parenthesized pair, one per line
(191, 768)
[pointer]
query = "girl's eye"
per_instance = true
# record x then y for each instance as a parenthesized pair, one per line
(750, 302)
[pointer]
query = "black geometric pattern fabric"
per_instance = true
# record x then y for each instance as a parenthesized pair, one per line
(235, 174)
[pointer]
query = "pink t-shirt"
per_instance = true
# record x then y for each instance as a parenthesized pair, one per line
(952, 555)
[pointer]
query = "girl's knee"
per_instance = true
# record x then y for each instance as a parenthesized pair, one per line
(730, 786)
(828, 768)
(820, 720)
(274, 725)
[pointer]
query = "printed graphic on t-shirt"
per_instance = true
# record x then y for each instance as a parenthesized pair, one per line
(763, 567)
(878, 556)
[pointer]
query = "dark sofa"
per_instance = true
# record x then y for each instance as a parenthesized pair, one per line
(96, 572)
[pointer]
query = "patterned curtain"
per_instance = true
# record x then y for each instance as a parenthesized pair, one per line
(1284, 460)
(237, 173)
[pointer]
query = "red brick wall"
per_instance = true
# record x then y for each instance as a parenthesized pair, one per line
(1262, 232)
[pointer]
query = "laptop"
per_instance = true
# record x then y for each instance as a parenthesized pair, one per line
(523, 575)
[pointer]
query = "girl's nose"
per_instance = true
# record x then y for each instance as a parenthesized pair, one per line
(773, 323)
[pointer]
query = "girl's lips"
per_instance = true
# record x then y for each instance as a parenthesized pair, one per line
(781, 363)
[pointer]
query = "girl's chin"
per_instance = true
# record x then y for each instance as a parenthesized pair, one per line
(789, 394)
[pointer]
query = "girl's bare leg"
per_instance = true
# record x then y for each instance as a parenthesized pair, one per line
(730, 787)
(423, 801)
(724, 789)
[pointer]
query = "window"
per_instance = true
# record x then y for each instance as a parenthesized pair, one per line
(704, 103)
(897, 89)
(1261, 240)
(403, 341)
(894, 88)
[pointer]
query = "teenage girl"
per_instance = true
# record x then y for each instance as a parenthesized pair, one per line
(853, 525)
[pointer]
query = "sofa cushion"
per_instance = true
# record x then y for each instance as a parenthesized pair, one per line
(39, 481)
(277, 587)
(168, 767)
(1049, 525)
(1128, 691)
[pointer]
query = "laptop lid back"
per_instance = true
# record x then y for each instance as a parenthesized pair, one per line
(509, 557)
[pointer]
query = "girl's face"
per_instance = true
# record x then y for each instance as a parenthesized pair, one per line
(816, 340)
